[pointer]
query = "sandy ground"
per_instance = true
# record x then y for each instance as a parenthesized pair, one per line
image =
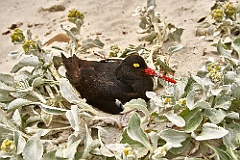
(111, 21)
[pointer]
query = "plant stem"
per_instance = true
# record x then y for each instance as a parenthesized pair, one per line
(157, 30)
(61, 128)
(49, 90)
(44, 56)
(156, 27)
(230, 151)
(54, 72)
(39, 96)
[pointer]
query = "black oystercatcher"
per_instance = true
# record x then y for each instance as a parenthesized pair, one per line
(108, 84)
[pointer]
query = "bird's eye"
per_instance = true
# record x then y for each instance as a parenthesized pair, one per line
(136, 65)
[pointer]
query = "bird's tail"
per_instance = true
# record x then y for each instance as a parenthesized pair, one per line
(72, 66)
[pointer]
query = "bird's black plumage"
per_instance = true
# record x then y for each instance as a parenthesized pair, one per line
(104, 82)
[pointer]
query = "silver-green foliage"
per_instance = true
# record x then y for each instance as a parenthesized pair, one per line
(195, 113)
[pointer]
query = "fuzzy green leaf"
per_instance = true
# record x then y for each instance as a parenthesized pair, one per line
(136, 133)
(190, 100)
(173, 137)
(202, 81)
(50, 155)
(151, 37)
(5, 120)
(41, 131)
(23, 76)
(138, 104)
(230, 77)
(236, 46)
(220, 154)
(19, 102)
(158, 118)
(175, 36)
(68, 92)
(19, 141)
(5, 87)
(38, 81)
(164, 65)
(175, 119)
(107, 148)
(223, 102)
(50, 109)
(7, 79)
(71, 149)
(231, 62)
(33, 149)
(144, 23)
(232, 139)
(211, 131)
(155, 101)
(75, 31)
(151, 3)
(5, 96)
(114, 149)
(71, 95)
(46, 118)
(17, 118)
(90, 43)
(180, 87)
(222, 49)
(6, 131)
(192, 85)
(179, 150)
(215, 116)
(71, 36)
(193, 119)
(236, 91)
(173, 49)
(32, 61)
(233, 115)
(139, 147)
(90, 144)
(202, 104)
(72, 116)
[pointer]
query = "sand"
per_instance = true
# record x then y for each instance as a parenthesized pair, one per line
(111, 21)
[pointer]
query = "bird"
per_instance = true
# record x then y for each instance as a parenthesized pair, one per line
(108, 84)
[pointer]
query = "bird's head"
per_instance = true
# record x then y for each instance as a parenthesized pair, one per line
(135, 65)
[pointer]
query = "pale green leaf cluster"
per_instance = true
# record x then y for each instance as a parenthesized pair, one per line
(43, 117)
(222, 22)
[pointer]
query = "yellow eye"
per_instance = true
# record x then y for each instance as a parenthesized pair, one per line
(136, 65)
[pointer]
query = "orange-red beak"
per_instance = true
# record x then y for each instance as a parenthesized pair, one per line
(150, 71)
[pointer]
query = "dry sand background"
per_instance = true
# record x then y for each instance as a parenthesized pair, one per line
(111, 21)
